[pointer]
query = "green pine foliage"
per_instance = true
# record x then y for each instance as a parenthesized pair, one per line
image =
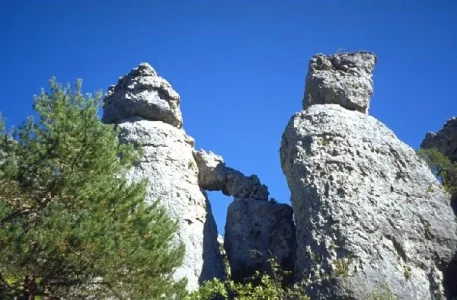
(442, 167)
(71, 226)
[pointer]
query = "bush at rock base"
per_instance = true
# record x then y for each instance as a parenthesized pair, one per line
(260, 286)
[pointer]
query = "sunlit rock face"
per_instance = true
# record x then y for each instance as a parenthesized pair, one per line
(146, 109)
(369, 213)
(142, 93)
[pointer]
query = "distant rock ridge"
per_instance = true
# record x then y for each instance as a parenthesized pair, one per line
(147, 110)
(444, 140)
(214, 175)
(369, 213)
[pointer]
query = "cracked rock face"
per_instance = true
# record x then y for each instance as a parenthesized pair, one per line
(444, 140)
(368, 210)
(344, 79)
(146, 110)
(142, 93)
(256, 231)
(214, 175)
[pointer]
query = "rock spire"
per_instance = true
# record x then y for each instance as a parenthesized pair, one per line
(369, 213)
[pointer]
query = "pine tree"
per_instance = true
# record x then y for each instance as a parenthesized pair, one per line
(71, 225)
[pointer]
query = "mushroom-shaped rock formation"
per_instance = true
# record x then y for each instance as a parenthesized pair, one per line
(146, 109)
(142, 93)
(369, 212)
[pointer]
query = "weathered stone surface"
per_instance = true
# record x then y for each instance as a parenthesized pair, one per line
(368, 210)
(214, 175)
(172, 172)
(344, 79)
(142, 93)
(444, 140)
(255, 231)
(146, 109)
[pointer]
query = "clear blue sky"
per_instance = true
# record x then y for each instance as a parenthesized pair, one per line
(238, 65)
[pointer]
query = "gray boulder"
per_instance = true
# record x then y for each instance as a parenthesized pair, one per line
(142, 93)
(444, 140)
(369, 213)
(344, 79)
(256, 231)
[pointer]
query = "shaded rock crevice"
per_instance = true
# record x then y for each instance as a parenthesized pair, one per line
(255, 232)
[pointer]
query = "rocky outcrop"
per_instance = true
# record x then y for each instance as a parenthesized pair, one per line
(146, 109)
(256, 231)
(142, 93)
(369, 213)
(444, 140)
(344, 79)
(214, 175)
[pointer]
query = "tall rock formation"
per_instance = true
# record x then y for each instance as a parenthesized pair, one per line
(369, 213)
(146, 109)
